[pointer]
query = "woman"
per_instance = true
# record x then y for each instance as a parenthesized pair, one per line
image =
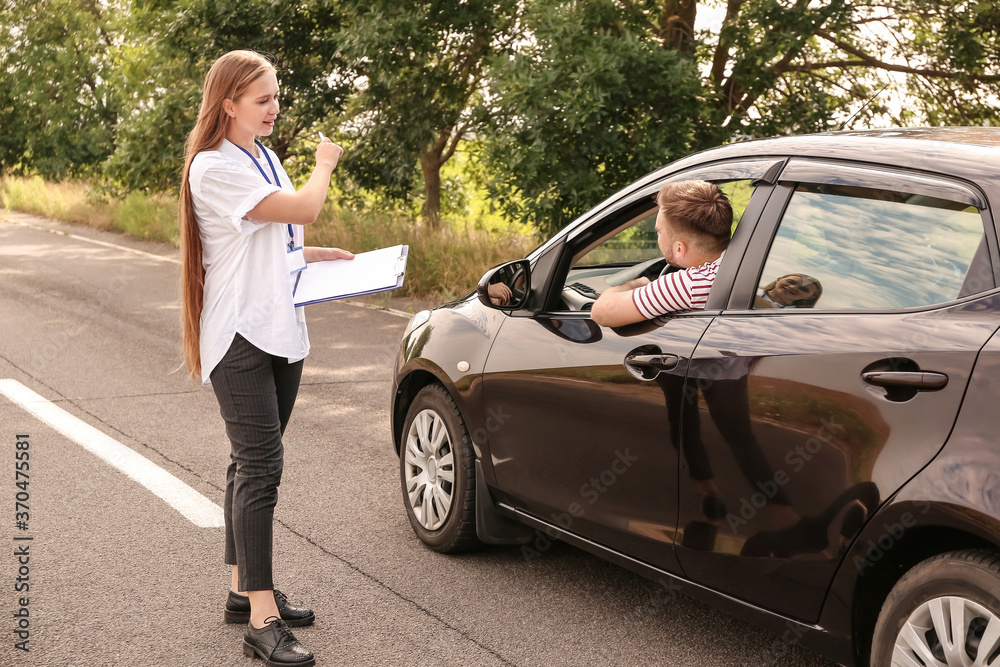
(241, 241)
(796, 290)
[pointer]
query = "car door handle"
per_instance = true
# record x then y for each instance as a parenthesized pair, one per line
(658, 362)
(919, 380)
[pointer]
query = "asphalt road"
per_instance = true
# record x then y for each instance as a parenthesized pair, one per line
(116, 576)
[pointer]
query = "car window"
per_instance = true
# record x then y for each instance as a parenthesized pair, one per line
(635, 243)
(739, 193)
(633, 251)
(847, 247)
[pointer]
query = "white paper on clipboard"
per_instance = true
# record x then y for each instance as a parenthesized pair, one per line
(369, 272)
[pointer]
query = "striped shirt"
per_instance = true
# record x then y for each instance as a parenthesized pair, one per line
(680, 290)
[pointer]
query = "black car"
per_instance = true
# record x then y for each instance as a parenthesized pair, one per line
(821, 461)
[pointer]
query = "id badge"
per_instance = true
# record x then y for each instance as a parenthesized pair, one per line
(296, 260)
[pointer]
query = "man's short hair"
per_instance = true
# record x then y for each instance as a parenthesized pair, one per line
(700, 209)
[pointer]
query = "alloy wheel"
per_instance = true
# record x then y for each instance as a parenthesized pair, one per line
(949, 631)
(430, 469)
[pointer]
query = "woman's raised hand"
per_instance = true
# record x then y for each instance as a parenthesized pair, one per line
(328, 153)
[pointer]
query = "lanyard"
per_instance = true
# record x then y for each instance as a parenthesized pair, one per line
(257, 164)
(274, 172)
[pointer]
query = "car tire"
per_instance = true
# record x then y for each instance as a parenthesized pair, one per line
(437, 472)
(916, 620)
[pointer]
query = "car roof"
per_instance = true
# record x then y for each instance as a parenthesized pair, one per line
(916, 147)
(980, 136)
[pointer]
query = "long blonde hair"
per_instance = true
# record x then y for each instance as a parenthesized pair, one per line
(229, 78)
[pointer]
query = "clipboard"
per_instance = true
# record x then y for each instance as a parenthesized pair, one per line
(368, 273)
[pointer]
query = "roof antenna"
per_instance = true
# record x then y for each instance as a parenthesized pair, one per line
(870, 100)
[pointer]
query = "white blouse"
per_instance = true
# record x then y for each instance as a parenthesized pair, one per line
(248, 289)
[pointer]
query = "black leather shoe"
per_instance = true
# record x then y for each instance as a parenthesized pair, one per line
(238, 610)
(276, 645)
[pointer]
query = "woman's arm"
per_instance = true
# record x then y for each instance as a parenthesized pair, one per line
(302, 207)
(315, 254)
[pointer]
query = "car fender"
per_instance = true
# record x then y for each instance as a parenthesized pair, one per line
(457, 336)
(904, 532)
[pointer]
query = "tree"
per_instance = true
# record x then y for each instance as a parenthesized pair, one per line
(174, 44)
(774, 59)
(58, 86)
(775, 66)
(420, 67)
(588, 104)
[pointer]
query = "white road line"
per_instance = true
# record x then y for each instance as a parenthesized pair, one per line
(77, 237)
(195, 507)
(390, 311)
(135, 251)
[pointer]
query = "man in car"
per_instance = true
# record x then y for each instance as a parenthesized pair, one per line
(693, 227)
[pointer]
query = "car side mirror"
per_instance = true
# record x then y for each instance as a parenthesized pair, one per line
(506, 287)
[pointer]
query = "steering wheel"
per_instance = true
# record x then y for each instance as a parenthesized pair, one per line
(651, 268)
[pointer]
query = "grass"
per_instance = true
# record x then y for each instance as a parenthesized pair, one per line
(66, 201)
(144, 216)
(443, 263)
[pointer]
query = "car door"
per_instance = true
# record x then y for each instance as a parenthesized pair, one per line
(582, 442)
(834, 375)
